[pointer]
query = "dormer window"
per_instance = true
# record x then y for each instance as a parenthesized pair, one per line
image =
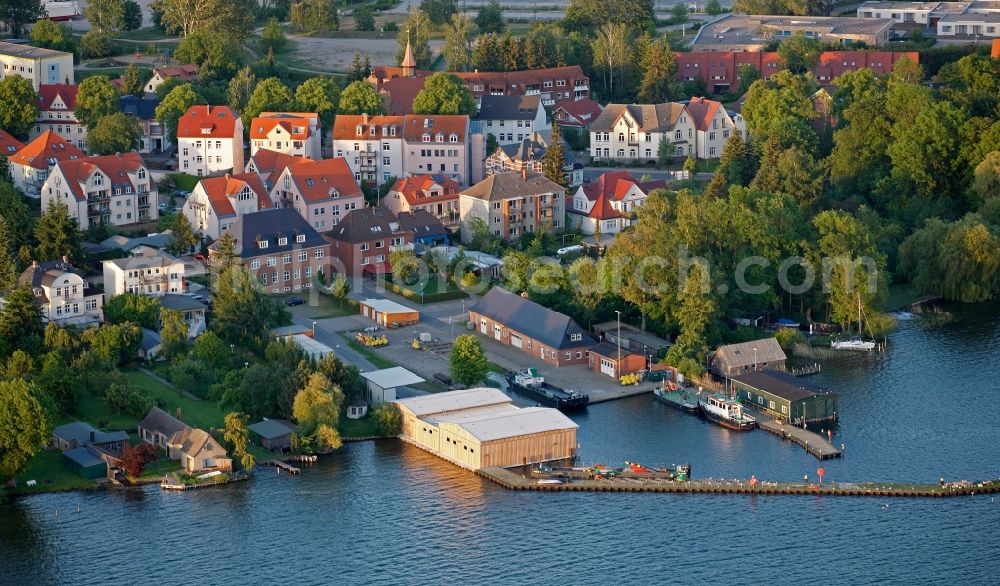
(262, 243)
(426, 137)
(372, 131)
(428, 122)
(453, 137)
(282, 241)
(310, 182)
(300, 238)
(392, 131)
(360, 130)
(439, 137)
(575, 337)
(206, 131)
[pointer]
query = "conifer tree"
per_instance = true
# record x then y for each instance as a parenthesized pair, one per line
(58, 233)
(554, 161)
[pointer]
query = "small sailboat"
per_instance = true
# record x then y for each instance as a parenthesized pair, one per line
(855, 344)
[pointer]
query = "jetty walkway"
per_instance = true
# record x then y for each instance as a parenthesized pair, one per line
(813, 443)
(514, 481)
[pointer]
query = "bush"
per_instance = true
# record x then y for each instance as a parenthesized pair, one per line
(789, 337)
(390, 27)
(389, 420)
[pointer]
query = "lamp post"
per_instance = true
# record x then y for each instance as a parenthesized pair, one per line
(618, 365)
(314, 330)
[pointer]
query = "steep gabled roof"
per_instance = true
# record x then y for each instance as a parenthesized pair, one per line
(266, 161)
(296, 124)
(531, 319)
(47, 93)
(648, 117)
(345, 127)
(421, 223)
(141, 108)
(219, 189)
(702, 111)
(160, 421)
(185, 72)
(116, 167)
(271, 226)
(364, 224)
(416, 189)
(398, 94)
(45, 151)
(750, 353)
(322, 180)
(510, 184)
(509, 107)
(584, 111)
(207, 122)
(9, 145)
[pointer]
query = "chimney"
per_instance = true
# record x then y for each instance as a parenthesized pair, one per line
(34, 264)
(524, 172)
(364, 118)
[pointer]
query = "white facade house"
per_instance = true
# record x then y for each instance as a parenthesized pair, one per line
(186, 72)
(116, 190)
(63, 294)
(35, 64)
(216, 203)
(209, 141)
(292, 133)
(30, 166)
(713, 126)
(322, 192)
(609, 204)
(56, 105)
(970, 24)
(629, 132)
(511, 119)
(917, 12)
(372, 146)
(152, 274)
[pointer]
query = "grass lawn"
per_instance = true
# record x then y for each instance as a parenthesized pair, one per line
(326, 305)
(183, 181)
(148, 33)
(203, 414)
(365, 427)
(52, 475)
(374, 357)
(160, 468)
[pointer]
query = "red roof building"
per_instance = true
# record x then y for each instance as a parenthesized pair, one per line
(217, 202)
(30, 166)
(9, 145)
(187, 72)
(266, 163)
(209, 141)
(116, 190)
(576, 113)
(294, 133)
(608, 204)
(322, 191)
(56, 104)
(435, 193)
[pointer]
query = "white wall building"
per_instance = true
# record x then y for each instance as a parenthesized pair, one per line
(56, 105)
(115, 189)
(511, 119)
(149, 274)
(293, 133)
(216, 203)
(372, 146)
(35, 64)
(209, 141)
(713, 126)
(30, 166)
(63, 294)
(628, 132)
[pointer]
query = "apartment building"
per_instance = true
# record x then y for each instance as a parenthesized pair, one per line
(433, 193)
(56, 105)
(154, 135)
(30, 166)
(510, 119)
(40, 66)
(371, 145)
(63, 294)
(280, 249)
(609, 204)
(440, 144)
(217, 202)
(713, 126)
(116, 190)
(209, 141)
(527, 155)
(266, 164)
(576, 113)
(363, 241)
(9, 146)
(293, 133)
(322, 192)
(630, 132)
(742, 32)
(513, 204)
(148, 273)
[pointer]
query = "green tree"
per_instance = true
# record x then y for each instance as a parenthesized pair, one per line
(511, 53)
(690, 164)
(924, 151)
(554, 160)
(238, 438)
(405, 266)
(272, 38)
(678, 14)
(58, 233)
(19, 365)
(489, 18)
(438, 11)
(182, 238)
(364, 19)
(20, 322)
(613, 55)
(114, 344)
(95, 45)
(114, 133)
(132, 80)
(747, 74)
(800, 53)
(240, 88)
(211, 350)
(588, 15)
(105, 16)
(24, 426)
(14, 14)
(444, 93)
(389, 420)
(339, 288)
(416, 31)
(18, 105)
(320, 95)
(8, 268)
(959, 261)
(694, 316)
(360, 98)
(243, 313)
(96, 98)
(714, 8)
(665, 151)
(133, 307)
(174, 105)
(540, 48)
(987, 177)
(491, 143)
(270, 95)
(972, 83)
(232, 20)
(52, 35)
(57, 380)
(782, 106)
(173, 331)
(209, 52)
(224, 253)
(458, 35)
(660, 73)
(131, 15)
(856, 267)
(317, 403)
(486, 53)
(468, 362)
(314, 15)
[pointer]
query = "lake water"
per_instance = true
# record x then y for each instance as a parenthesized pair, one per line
(387, 513)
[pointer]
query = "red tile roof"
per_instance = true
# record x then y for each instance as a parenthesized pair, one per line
(116, 167)
(295, 124)
(602, 209)
(9, 145)
(721, 68)
(615, 185)
(181, 72)
(578, 112)
(345, 127)
(47, 93)
(220, 189)
(416, 189)
(511, 83)
(270, 162)
(702, 111)
(207, 122)
(398, 94)
(45, 151)
(416, 125)
(315, 179)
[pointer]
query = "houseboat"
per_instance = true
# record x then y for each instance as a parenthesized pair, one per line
(528, 382)
(726, 412)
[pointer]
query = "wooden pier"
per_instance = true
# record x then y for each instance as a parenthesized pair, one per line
(813, 443)
(281, 465)
(171, 483)
(514, 481)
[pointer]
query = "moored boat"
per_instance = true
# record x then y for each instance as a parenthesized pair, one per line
(726, 412)
(677, 397)
(528, 382)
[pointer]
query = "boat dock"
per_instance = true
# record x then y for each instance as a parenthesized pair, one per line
(813, 443)
(513, 481)
(280, 465)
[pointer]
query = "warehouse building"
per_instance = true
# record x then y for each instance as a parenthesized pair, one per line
(388, 313)
(785, 397)
(382, 384)
(481, 428)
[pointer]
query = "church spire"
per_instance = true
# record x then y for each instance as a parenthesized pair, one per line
(409, 63)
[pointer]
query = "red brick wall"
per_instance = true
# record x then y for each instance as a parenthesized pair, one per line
(550, 355)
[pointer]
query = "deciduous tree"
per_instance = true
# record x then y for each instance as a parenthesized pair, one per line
(320, 95)
(96, 98)
(131, 15)
(800, 53)
(490, 19)
(174, 105)
(24, 426)
(444, 93)
(136, 458)
(133, 307)
(468, 362)
(105, 16)
(114, 133)
(20, 322)
(173, 331)
(14, 14)
(132, 81)
(269, 95)
(182, 237)
(659, 73)
(238, 438)
(360, 98)
(417, 31)
(458, 35)
(8, 268)
(52, 35)
(317, 403)
(389, 419)
(18, 105)
(243, 313)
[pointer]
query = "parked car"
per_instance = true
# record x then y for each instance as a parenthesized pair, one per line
(163, 207)
(293, 301)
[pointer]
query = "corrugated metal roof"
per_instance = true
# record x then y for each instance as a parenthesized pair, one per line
(515, 422)
(390, 378)
(453, 401)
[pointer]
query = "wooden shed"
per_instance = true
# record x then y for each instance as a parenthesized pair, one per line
(273, 434)
(388, 313)
(786, 397)
(481, 428)
(736, 359)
